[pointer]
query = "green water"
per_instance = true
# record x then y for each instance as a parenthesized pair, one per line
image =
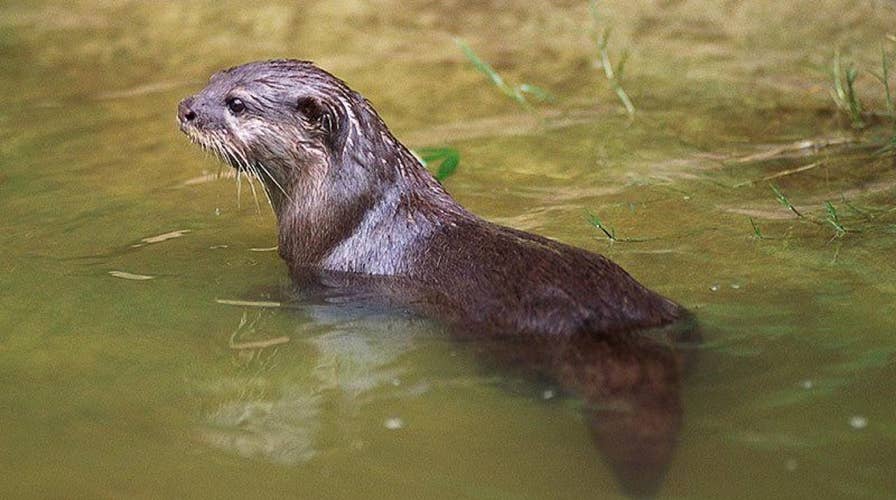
(113, 387)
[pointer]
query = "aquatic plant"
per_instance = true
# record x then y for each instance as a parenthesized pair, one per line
(614, 75)
(595, 221)
(844, 93)
(608, 231)
(884, 79)
(889, 147)
(833, 219)
(448, 160)
(516, 92)
(784, 201)
(756, 232)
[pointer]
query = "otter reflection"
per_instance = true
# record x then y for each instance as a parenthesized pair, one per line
(629, 382)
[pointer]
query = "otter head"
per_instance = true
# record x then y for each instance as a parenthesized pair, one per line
(325, 158)
(277, 120)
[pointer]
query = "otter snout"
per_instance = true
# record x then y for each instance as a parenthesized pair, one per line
(185, 112)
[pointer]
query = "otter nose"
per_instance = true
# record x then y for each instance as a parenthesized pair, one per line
(185, 112)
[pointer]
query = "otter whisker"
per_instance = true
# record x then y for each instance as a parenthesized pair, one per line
(239, 189)
(274, 180)
(257, 176)
(236, 158)
(226, 156)
(217, 144)
(264, 186)
(242, 158)
(244, 166)
(251, 177)
(212, 146)
(220, 170)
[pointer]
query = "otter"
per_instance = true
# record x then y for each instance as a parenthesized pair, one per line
(356, 209)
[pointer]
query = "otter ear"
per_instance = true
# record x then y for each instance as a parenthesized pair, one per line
(329, 120)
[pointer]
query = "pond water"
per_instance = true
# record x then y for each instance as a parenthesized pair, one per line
(125, 371)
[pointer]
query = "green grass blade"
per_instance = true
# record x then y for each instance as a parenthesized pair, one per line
(833, 219)
(784, 201)
(595, 221)
(447, 158)
(516, 93)
(756, 231)
(537, 92)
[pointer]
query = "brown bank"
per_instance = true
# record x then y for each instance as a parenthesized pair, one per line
(357, 210)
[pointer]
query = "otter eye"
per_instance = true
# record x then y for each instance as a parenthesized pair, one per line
(235, 105)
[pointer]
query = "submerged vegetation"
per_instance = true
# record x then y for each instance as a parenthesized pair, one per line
(832, 216)
(522, 92)
(595, 221)
(844, 92)
(833, 219)
(784, 201)
(846, 97)
(756, 232)
(884, 79)
(608, 231)
(614, 75)
(518, 92)
(862, 118)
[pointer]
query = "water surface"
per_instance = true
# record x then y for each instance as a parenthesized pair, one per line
(112, 386)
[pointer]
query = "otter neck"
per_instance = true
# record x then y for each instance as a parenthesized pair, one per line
(363, 212)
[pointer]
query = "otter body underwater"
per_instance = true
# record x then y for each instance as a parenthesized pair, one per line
(356, 207)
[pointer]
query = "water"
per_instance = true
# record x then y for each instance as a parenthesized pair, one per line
(118, 387)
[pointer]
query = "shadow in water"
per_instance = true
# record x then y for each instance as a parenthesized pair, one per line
(629, 385)
(629, 382)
